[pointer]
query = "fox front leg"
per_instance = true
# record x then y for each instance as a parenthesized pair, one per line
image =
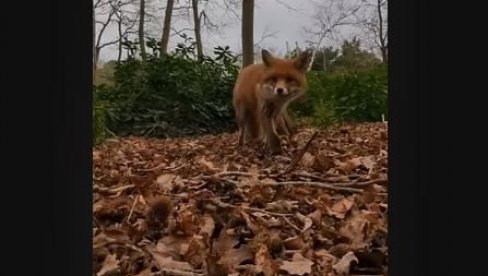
(269, 126)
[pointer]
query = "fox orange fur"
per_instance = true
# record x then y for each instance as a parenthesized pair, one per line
(262, 93)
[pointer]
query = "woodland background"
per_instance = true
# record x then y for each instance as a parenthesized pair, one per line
(154, 90)
(171, 193)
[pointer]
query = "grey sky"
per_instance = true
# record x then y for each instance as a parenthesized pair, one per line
(271, 17)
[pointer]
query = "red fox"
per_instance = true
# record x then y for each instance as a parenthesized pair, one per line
(262, 93)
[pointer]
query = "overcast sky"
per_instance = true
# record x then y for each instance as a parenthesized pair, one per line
(285, 19)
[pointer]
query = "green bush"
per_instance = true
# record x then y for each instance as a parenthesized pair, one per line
(345, 96)
(99, 118)
(172, 95)
(361, 96)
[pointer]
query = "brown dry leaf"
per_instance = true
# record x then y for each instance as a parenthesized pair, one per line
(349, 165)
(298, 266)
(341, 207)
(357, 228)
(339, 249)
(372, 174)
(145, 272)
(281, 206)
(206, 165)
(295, 243)
(323, 162)
(368, 162)
(325, 200)
(167, 262)
(354, 163)
(250, 224)
(358, 152)
(186, 221)
(99, 206)
(225, 241)
(207, 226)
(117, 234)
(195, 254)
(273, 222)
(264, 262)
(368, 196)
(316, 217)
(343, 266)
(307, 160)
(165, 182)
(234, 256)
(253, 179)
(307, 222)
(99, 240)
(97, 155)
(173, 246)
(212, 267)
(110, 264)
(324, 257)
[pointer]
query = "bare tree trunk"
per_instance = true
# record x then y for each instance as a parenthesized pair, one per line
(98, 45)
(247, 32)
(141, 29)
(97, 55)
(166, 27)
(119, 25)
(323, 60)
(197, 28)
(94, 41)
(383, 47)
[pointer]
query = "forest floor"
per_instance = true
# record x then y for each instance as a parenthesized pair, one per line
(196, 206)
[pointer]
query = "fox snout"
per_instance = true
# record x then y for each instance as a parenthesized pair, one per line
(281, 91)
(281, 87)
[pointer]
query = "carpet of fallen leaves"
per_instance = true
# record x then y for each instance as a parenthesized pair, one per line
(196, 206)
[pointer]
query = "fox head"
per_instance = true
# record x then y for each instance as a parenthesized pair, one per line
(284, 78)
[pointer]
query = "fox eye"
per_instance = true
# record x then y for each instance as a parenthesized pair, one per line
(290, 80)
(272, 79)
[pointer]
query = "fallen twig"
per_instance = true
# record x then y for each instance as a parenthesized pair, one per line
(122, 243)
(362, 184)
(313, 184)
(120, 189)
(132, 208)
(292, 225)
(161, 167)
(212, 177)
(174, 272)
(300, 154)
(233, 173)
(227, 205)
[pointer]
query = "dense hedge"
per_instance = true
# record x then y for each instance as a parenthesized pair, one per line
(170, 96)
(343, 96)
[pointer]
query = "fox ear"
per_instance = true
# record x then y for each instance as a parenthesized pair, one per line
(302, 61)
(267, 57)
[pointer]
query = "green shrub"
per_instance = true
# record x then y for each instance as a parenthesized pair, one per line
(359, 97)
(342, 96)
(172, 95)
(99, 118)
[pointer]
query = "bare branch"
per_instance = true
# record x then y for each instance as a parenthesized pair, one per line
(180, 32)
(101, 46)
(266, 34)
(286, 5)
(330, 16)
